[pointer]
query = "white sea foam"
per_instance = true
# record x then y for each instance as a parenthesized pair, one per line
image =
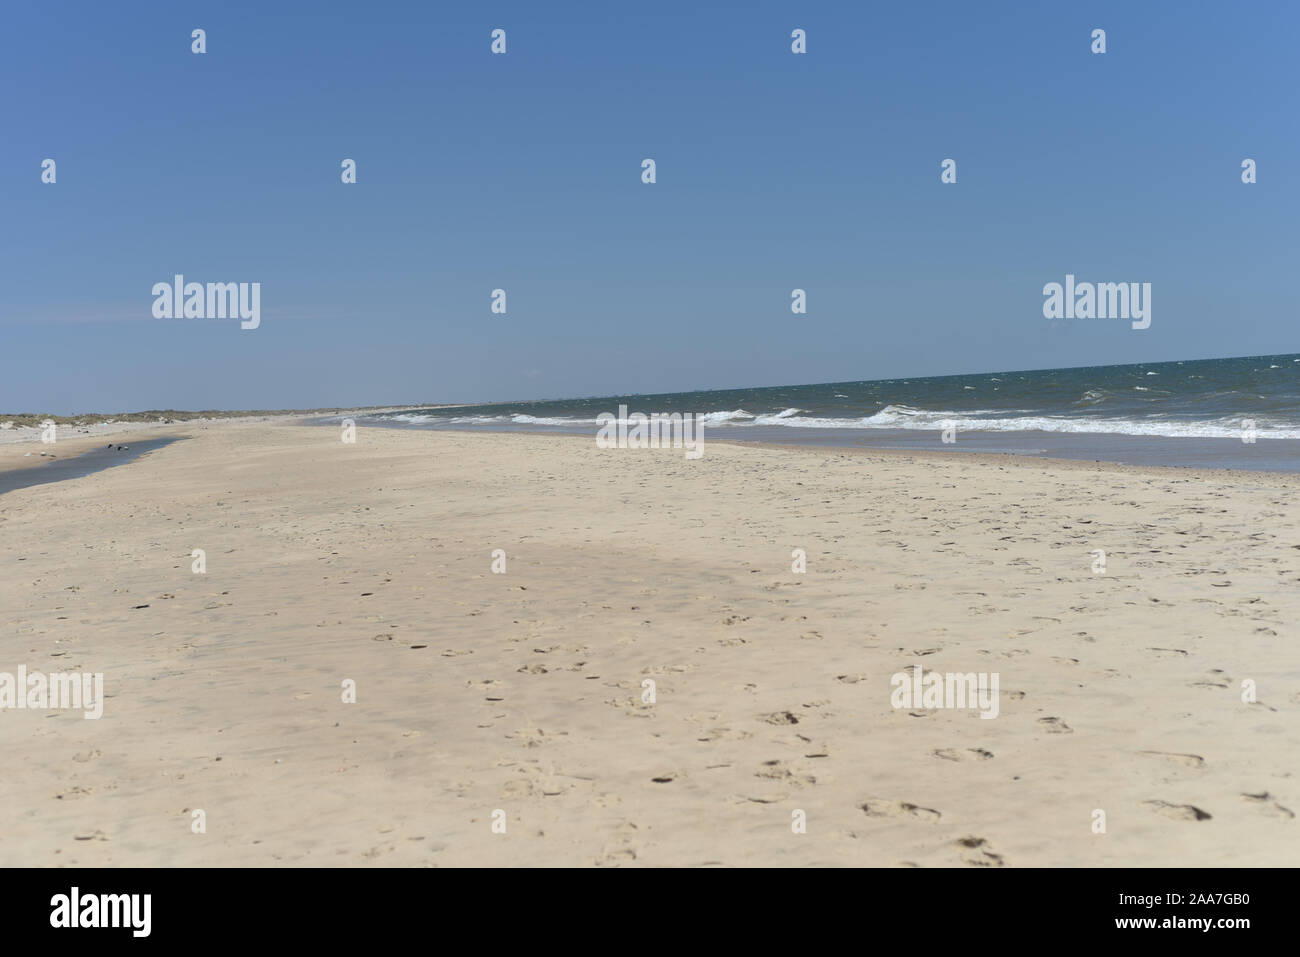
(901, 417)
(545, 420)
(737, 416)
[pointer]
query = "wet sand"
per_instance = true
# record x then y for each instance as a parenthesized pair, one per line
(1262, 455)
(64, 464)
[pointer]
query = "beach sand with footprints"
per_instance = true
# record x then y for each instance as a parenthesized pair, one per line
(523, 692)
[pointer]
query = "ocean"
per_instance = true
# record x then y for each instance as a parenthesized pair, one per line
(1193, 413)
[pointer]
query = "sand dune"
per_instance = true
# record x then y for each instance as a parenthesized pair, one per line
(523, 692)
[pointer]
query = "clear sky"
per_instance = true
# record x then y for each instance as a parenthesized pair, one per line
(522, 171)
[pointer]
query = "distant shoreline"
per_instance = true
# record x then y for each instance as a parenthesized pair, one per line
(28, 427)
(170, 416)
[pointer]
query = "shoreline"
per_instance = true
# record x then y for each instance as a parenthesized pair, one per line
(990, 456)
(80, 445)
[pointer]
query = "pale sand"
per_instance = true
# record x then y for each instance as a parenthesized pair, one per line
(69, 436)
(328, 561)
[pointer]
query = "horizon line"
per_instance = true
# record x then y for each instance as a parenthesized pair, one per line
(333, 409)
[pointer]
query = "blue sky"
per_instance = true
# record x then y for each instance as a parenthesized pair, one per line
(522, 171)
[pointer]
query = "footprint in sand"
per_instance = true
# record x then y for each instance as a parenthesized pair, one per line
(1055, 726)
(771, 797)
(876, 807)
(530, 737)
(1190, 760)
(621, 849)
(1178, 812)
(1215, 679)
(634, 707)
(963, 754)
(723, 733)
(977, 852)
(776, 770)
(1265, 803)
(614, 856)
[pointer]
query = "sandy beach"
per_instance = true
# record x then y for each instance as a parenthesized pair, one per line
(523, 692)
